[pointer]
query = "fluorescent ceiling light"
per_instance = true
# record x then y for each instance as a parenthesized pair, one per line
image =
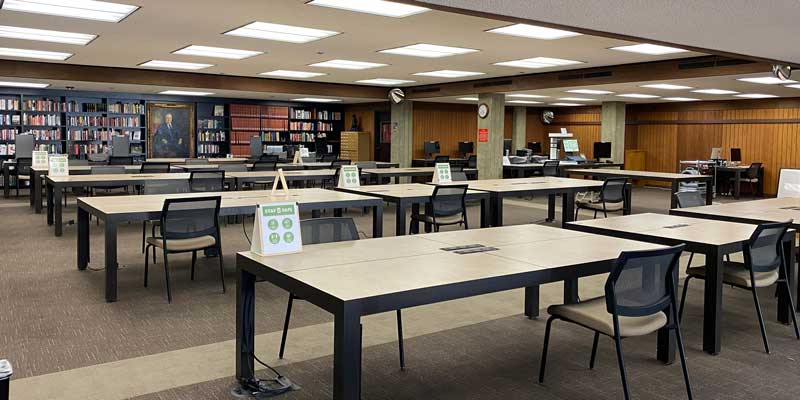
(218, 52)
(428, 50)
(566, 104)
(714, 91)
(538, 62)
(589, 91)
(756, 96)
(533, 32)
(282, 33)
(766, 80)
(316, 100)
(468, 98)
(576, 99)
(666, 86)
(185, 93)
(174, 65)
(650, 49)
(680, 99)
(384, 81)
(527, 96)
(44, 35)
(377, 7)
(84, 9)
(449, 73)
(39, 54)
(292, 74)
(347, 64)
(25, 84)
(638, 96)
(524, 102)
(794, 86)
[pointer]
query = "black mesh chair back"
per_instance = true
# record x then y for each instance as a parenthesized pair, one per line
(23, 166)
(233, 167)
(550, 168)
(149, 167)
(165, 187)
(328, 158)
(107, 169)
(328, 230)
(335, 164)
(441, 159)
(367, 164)
(126, 160)
(689, 199)
(613, 190)
(764, 250)
(207, 181)
(265, 166)
(269, 157)
(472, 161)
(189, 218)
(458, 176)
(196, 161)
(81, 163)
(752, 170)
(643, 282)
(449, 200)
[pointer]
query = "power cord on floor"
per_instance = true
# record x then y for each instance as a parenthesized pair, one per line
(265, 388)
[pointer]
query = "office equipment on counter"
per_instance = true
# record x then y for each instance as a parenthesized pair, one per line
(431, 147)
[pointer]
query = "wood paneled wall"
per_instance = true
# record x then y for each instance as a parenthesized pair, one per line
(449, 124)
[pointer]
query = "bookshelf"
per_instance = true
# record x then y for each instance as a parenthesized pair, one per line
(92, 121)
(212, 130)
(10, 124)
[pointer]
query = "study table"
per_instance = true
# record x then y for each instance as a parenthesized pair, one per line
(521, 170)
(396, 173)
(363, 277)
(241, 178)
(673, 179)
(37, 174)
(714, 239)
(327, 165)
(121, 209)
(213, 160)
(407, 195)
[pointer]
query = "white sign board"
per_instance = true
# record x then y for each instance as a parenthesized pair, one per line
(349, 176)
(789, 183)
(304, 151)
(40, 159)
(277, 229)
(59, 166)
(441, 173)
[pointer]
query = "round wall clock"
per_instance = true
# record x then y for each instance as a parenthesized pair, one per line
(483, 110)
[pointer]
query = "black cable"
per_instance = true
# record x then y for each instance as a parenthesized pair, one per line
(267, 365)
(244, 229)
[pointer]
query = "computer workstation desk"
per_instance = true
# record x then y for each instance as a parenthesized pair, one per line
(724, 171)
(122, 209)
(358, 278)
(397, 173)
(527, 169)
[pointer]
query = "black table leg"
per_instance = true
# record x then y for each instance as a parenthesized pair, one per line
(57, 210)
(400, 219)
(551, 208)
(377, 221)
(245, 324)
(347, 354)
(712, 304)
(791, 280)
(571, 291)
(567, 208)
(709, 193)
(496, 206)
(627, 205)
(337, 212)
(667, 340)
(737, 184)
(6, 180)
(111, 261)
(532, 302)
(31, 176)
(83, 238)
(37, 192)
(673, 201)
(485, 222)
(414, 223)
(49, 189)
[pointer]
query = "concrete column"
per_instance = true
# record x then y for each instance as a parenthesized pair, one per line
(518, 133)
(402, 133)
(490, 153)
(612, 128)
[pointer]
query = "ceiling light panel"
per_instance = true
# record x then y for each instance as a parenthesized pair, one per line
(649, 49)
(576, 99)
(794, 86)
(174, 65)
(185, 93)
(449, 73)
(680, 99)
(527, 96)
(384, 81)
(756, 96)
(638, 96)
(37, 54)
(766, 80)
(347, 64)
(281, 33)
(566, 104)
(714, 91)
(533, 32)
(376, 7)
(217, 52)
(589, 91)
(666, 86)
(428, 50)
(44, 35)
(283, 73)
(25, 85)
(317, 100)
(83, 9)
(468, 98)
(524, 102)
(538, 62)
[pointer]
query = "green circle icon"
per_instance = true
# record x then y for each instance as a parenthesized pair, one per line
(272, 224)
(288, 237)
(274, 238)
(287, 223)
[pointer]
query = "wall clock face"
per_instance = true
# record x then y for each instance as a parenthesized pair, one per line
(483, 110)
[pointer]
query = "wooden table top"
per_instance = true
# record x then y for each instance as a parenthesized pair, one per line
(766, 210)
(215, 160)
(89, 179)
(526, 184)
(366, 268)
(289, 173)
(402, 190)
(80, 168)
(639, 174)
(695, 230)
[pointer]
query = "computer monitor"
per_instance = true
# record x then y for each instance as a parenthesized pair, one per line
(523, 153)
(535, 147)
(602, 150)
(466, 148)
(736, 155)
(506, 146)
(571, 145)
(431, 147)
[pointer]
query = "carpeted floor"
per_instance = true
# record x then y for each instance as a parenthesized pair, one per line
(56, 325)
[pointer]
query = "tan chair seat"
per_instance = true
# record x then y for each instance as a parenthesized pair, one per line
(197, 243)
(737, 274)
(593, 314)
(599, 206)
(752, 180)
(452, 219)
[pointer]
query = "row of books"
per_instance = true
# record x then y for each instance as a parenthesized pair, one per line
(86, 120)
(50, 148)
(249, 110)
(49, 134)
(210, 124)
(254, 124)
(303, 114)
(9, 119)
(42, 119)
(8, 134)
(329, 115)
(89, 134)
(73, 106)
(283, 136)
(126, 108)
(127, 122)
(9, 104)
(240, 150)
(211, 136)
(7, 149)
(301, 137)
(241, 137)
(325, 126)
(44, 105)
(206, 148)
(302, 126)
(93, 148)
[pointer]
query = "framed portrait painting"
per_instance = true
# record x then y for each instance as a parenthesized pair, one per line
(170, 130)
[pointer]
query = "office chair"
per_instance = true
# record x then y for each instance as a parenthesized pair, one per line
(550, 168)
(160, 187)
(690, 199)
(338, 163)
(472, 161)
(447, 207)
(207, 181)
(150, 167)
(640, 293)
(187, 225)
(441, 160)
(269, 157)
(458, 176)
(328, 230)
(764, 264)
(123, 160)
(22, 168)
(328, 157)
(196, 161)
(109, 170)
(265, 165)
(612, 198)
(750, 176)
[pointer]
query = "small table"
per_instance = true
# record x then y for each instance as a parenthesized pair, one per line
(714, 239)
(121, 209)
(291, 176)
(737, 172)
(38, 173)
(412, 195)
(396, 173)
